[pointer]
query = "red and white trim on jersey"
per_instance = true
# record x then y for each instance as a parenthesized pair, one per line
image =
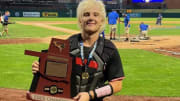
(117, 79)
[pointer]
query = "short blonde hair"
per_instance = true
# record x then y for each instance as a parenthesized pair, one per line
(88, 4)
(7, 12)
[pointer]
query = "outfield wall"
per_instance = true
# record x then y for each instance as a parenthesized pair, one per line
(72, 13)
(150, 15)
(165, 15)
(43, 13)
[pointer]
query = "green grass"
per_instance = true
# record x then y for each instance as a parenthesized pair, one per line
(158, 31)
(134, 30)
(150, 74)
(41, 19)
(69, 26)
(17, 30)
(147, 73)
(154, 19)
(15, 71)
(26, 31)
(75, 19)
(163, 32)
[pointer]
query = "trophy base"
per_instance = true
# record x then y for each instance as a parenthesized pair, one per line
(39, 97)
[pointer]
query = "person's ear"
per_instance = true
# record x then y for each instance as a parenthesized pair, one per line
(80, 22)
(102, 20)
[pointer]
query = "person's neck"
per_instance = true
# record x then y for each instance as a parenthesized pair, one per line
(89, 40)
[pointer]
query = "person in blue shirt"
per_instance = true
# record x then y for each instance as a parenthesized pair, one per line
(127, 26)
(159, 19)
(5, 23)
(143, 31)
(112, 21)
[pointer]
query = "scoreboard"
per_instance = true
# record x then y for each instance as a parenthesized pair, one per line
(145, 1)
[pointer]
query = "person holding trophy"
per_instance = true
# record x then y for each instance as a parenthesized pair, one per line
(95, 60)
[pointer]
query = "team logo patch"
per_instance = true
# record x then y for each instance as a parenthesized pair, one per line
(92, 64)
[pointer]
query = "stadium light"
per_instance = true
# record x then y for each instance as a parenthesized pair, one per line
(147, 1)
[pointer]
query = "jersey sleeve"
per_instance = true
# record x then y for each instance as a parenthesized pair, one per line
(114, 69)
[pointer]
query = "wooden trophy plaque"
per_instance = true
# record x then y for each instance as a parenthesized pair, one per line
(52, 82)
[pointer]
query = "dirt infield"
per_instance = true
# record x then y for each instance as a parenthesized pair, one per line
(155, 42)
(167, 45)
(20, 95)
(171, 51)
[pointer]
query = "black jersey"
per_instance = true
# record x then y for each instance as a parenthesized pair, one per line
(105, 65)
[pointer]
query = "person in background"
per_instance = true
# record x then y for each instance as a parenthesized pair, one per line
(1, 20)
(95, 60)
(127, 26)
(143, 31)
(5, 23)
(112, 21)
(159, 19)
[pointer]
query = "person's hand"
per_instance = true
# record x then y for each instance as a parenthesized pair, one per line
(82, 96)
(35, 67)
(150, 28)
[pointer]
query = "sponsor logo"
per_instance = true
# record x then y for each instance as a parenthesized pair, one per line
(17, 14)
(31, 14)
(50, 14)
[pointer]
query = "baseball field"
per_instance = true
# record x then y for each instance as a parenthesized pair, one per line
(152, 67)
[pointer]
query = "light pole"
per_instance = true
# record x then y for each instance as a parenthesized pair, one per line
(121, 4)
(120, 8)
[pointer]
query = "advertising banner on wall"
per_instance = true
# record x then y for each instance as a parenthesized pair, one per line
(134, 15)
(50, 14)
(31, 14)
(17, 14)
